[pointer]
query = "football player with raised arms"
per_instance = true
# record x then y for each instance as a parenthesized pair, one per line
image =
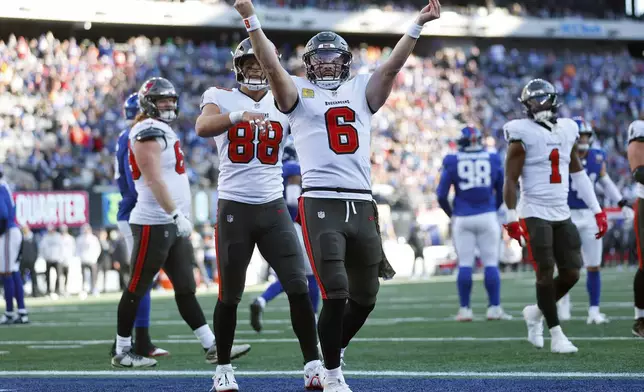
(142, 344)
(292, 190)
(159, 221)
(251, 134)
(330, 117)
(594, 161)
(477, 178)
(636, 162)
(542, 157)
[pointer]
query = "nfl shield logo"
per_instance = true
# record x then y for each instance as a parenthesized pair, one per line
(321, 214)
(256, 106)
(229, 218)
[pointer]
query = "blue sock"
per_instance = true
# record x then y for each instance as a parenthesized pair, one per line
(464, 283)
(594, 287)
(492, 279)
(142, 319)
(19, 290)
(314, 292)
(273, 291)
(8, 292)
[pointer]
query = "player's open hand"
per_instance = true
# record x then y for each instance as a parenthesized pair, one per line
(257, 119)
(431, 11)
(244, 7)
(602, 224)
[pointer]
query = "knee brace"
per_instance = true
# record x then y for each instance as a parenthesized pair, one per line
(296, 286)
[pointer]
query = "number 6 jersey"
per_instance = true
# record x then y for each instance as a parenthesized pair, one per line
(332, 135)
(250, 162)
(147, 210)
(544, 180)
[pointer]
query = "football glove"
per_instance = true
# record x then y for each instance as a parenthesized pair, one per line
(602, 224)
(516, 232)
(184, 226)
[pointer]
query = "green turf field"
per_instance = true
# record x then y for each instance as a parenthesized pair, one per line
(411, 329)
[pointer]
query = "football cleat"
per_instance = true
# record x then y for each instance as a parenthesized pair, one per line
(8, 318)
(638, 327)
(224, 380)
(464, 315)
(256, 311)
(594, 317)
(238, 350)
(534, 321)
(128, 359)
(336, 384)
(157, 352)
(314, 375)
(497, 313)
(561, 345)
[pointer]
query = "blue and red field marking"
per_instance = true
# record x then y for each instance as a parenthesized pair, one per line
(295, 384)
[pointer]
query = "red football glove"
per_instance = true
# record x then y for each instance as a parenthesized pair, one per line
(516, 232)
(602, 224)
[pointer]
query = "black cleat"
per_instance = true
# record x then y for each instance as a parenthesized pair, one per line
(256, 311)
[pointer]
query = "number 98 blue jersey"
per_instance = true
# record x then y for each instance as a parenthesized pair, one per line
(477, 177)
(593, 164)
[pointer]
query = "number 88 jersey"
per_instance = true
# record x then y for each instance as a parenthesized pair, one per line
(250, 162)
(545, 177)
(332, 136)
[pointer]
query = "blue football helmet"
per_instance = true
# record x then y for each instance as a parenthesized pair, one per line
(584, 130)
(131, 106)
(471, 139)
(289, 152)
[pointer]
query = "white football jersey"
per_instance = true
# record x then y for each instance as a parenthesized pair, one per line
(173, 168)
(332, 136)
(544, 180)
(250, 163)
(636, 132)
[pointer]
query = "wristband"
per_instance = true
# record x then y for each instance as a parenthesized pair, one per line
(236, 117)
(623, 203)
(512, 216)
(252, 23)
(414, 30)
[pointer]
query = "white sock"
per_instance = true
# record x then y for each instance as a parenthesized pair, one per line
(639, 313)
(556, 332)
(593, 309)
(122, 343)
(228, 367)
(336, 373)
(261, 301)
(22, 312)
(205, 336)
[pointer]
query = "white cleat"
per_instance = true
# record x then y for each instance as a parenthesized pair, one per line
(594, 317)
(128, 359)
(534, 321)
(335, 384)
(561, 345)
(464, 315)
(224, 379)
(563, 308)
(314, 374)
(497, 313)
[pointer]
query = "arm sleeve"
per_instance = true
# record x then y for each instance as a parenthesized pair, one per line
(585, 190)
(610, 188)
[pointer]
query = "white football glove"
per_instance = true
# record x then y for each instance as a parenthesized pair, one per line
(628, 213)
(184, 226)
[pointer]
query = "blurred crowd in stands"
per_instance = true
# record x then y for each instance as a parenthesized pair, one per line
(61, 103)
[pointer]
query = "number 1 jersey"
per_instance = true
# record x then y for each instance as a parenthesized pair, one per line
(545, 177)
(250, 162)
(147, 210)
(332, 135)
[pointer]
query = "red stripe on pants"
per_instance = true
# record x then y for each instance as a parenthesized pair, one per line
(140, 258)
(307, 245)
(218, 262)
(531, 259)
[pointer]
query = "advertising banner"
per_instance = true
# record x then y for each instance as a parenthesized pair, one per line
(40, 209)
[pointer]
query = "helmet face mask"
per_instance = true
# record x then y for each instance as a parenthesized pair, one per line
(327, 60)
(159, 100)
(540, 99)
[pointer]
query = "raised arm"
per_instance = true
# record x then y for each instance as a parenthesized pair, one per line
(382, 80)
(282, 85)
